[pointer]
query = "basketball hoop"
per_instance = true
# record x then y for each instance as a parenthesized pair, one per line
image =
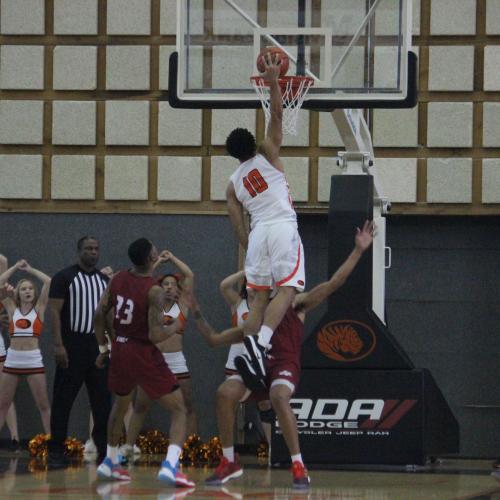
(293, 91)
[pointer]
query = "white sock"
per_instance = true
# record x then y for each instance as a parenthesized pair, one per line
(297, 458)
(173, 454)
(228, 453)
(112, 454)
(265, 334)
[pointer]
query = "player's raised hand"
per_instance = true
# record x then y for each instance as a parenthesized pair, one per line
(364, 236)
(272, 65)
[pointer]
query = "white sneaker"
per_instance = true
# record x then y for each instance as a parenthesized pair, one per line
(109, 470)
(173, 477)
(125, 450)
(90, 446)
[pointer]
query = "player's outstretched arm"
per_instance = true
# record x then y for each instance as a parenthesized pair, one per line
(213, 338)
(235, 211)
(158, 331)
(271, 145)
(309, 300)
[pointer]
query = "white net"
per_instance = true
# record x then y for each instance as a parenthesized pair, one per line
(293, 91)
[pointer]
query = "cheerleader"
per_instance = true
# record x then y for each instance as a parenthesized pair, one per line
(26, 308)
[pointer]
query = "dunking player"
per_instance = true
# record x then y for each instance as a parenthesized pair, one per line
(136, 361)
(274, 254)
(283, 370)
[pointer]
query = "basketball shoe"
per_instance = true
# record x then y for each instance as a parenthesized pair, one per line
(250, 378)
(173, 477)
(90, 446)
(257, 354)
(109, 470)
(225, 471)
(301, 479)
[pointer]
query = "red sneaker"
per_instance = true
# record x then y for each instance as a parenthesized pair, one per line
(225, 471)
(300, 477)
(182, 481)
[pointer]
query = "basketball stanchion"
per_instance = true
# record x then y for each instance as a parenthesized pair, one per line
(293, 90)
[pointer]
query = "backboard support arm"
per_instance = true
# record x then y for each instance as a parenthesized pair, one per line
(358, 159)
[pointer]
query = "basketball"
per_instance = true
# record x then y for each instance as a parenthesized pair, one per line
(273, 51)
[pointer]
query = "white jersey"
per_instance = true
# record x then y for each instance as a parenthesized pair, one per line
(263, 191)
(173, 313)
(241, 313)
(239, 317)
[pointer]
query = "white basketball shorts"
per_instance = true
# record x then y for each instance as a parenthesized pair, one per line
(275, 256)
(235, 350)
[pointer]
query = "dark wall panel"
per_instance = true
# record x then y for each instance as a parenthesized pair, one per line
(443, 305)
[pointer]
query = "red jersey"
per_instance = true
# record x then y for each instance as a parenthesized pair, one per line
(283, 360)
(287, 338)
(129, 294)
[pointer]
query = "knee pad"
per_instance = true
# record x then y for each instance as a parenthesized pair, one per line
(267, 416)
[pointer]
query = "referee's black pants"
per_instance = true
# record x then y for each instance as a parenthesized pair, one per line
(82, 352)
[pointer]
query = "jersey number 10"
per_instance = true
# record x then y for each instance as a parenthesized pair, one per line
(254, 183)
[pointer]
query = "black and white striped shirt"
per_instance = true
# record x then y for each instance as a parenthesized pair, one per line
(81, 292)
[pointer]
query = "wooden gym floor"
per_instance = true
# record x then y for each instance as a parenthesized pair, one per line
(21, 477)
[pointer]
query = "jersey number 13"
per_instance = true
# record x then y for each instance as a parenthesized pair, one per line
(124, 310)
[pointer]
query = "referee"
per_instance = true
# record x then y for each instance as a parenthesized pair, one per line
(74, 294)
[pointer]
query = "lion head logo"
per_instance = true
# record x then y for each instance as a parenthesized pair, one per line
(346, 340)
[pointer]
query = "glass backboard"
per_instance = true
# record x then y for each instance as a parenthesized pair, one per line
(357, 51)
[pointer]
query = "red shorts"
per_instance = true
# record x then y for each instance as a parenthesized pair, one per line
(136, 363)
(285, 368)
